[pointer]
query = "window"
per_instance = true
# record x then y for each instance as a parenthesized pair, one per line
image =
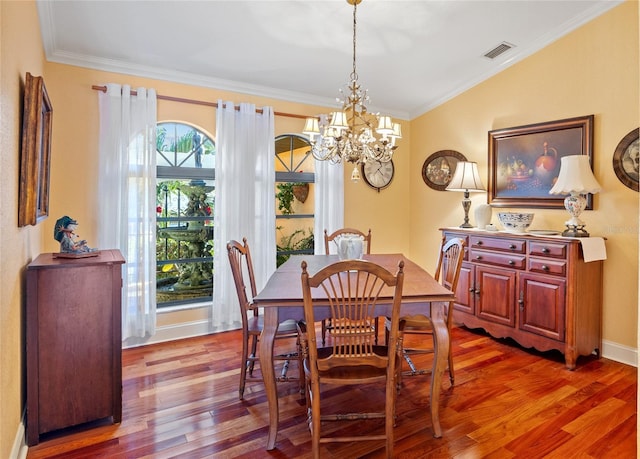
(295, 172)
(185, 198)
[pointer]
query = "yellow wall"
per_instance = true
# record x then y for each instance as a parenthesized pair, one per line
(385, 212)
(593, 70)
(20, 52)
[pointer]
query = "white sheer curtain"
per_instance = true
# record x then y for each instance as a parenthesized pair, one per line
(127, 198)
(329, 201)
(244, 202)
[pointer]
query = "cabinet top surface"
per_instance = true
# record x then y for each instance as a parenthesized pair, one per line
(47, 260)
(479, 232)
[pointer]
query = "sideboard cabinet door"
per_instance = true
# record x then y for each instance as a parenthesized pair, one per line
(542, 305)
(74, 358)
(496, 292)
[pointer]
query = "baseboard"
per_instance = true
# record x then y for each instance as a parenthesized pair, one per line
(19, 449)
(178, 331)
(619, 353)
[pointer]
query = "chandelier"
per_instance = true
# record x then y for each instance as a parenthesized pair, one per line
(348, 135)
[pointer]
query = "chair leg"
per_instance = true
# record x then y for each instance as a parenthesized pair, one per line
(400, 357)
(390, 414)
(300, 364)
(315, 418)
(324, 330)
(449, 327)
(243, 366)
(375, 328)
(254, 349)
(451, 375)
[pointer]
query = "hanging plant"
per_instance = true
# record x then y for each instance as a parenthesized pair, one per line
(285, 197)
(287, 192)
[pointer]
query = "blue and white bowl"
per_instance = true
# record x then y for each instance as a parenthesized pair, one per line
(515, 222)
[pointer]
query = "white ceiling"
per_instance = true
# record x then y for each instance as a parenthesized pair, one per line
(411, 55)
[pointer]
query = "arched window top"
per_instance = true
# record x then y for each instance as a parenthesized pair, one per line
(293, 154)
(179, 144)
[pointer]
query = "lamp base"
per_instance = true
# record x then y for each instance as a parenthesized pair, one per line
(575, 231)
(466, 205)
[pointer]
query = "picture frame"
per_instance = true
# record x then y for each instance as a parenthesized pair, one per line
(625, 159)
(524, 161)
(35, 156)
(439, 167)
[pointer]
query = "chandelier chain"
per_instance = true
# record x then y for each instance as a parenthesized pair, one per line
(354, 74)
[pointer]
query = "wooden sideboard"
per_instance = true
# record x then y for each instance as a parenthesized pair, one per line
(74, 357)
(537, 290)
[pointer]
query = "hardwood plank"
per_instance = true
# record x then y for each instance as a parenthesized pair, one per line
(180, 399)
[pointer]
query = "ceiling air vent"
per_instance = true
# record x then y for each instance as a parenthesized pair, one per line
(501, 48)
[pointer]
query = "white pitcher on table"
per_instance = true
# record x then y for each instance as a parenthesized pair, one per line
(350, 246)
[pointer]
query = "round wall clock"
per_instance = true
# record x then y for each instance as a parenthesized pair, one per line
(438, 168)
(378, 175)
(625, 160)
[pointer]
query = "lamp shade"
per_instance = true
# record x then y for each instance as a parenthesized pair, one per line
(575, 176)
(466, 178)
(339, 121)
(385, 126)
(311, 127)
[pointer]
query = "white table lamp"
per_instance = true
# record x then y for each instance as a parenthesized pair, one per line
(576, 179)
(466, 178)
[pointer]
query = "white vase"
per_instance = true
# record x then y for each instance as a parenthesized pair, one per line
(483, 215)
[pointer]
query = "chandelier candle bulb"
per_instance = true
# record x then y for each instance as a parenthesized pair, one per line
(355, 174)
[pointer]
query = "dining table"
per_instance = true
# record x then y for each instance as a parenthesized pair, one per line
(282, 299)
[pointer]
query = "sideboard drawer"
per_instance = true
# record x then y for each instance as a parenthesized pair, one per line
(547, 266)
(503, 244)
(498, 259)
(548, 249)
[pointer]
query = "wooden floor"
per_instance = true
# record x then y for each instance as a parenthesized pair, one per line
(181, 401)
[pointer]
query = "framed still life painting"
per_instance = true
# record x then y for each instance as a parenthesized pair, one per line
(524, 161)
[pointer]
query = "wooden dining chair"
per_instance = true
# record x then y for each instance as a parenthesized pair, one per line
(352, 289)
(448, 268)
(252, 321)
(326, 324)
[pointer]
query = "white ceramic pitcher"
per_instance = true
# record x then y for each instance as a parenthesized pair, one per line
(350, 246)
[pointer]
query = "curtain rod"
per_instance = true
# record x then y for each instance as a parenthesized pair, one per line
(201, 102)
